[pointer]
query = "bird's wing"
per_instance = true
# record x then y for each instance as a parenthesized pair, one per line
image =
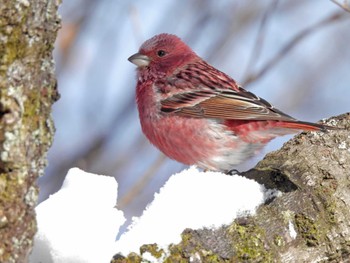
(205, 92)
(222, 104)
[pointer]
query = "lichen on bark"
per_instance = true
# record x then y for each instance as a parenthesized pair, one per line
(27, 90)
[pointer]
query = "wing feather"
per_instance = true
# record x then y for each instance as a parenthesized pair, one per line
(233, 106)
(216, 97)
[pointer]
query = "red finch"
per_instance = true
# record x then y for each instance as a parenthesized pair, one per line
(196, 114)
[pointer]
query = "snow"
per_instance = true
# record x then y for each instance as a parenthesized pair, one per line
(80, 222)
(191, 199)
(148, 257)
(292, 232)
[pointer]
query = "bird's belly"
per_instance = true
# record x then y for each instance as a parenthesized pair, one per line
(202, 142)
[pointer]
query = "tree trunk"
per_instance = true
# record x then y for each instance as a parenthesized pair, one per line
(308, 222)
(27, 90)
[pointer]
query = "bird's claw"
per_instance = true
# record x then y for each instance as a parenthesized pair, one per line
(233, 172)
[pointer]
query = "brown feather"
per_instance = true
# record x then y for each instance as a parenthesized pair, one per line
(218, 105)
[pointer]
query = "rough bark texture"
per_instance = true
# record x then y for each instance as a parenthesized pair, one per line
(308, 222)
(27, 90)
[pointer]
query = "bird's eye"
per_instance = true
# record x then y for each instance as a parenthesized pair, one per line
(161, 53)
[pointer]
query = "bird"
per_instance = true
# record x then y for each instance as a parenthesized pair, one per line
(198, 115)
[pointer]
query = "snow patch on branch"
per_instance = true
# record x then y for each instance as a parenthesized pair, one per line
(79, 223)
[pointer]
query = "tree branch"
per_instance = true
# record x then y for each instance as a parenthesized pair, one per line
(308, 222)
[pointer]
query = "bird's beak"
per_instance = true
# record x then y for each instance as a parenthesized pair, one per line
(139, 60)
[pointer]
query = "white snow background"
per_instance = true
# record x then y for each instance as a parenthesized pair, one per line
(80, 222)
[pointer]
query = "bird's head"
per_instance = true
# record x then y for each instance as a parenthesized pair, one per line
(163, 54)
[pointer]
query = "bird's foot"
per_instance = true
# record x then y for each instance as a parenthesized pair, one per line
(233, 172)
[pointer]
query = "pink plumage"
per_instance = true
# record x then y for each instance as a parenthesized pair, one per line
(196, 114)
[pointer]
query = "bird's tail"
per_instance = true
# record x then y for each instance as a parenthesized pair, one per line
(307, 126)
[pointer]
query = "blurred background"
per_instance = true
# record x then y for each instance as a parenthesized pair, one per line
(294, 53)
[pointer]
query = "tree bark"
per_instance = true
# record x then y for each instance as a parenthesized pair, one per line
(27, 90)
(308, 222)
